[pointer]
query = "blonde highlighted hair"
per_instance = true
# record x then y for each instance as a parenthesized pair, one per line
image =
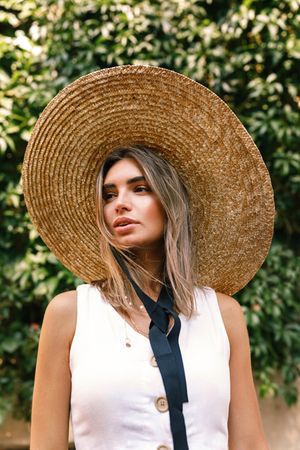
(177, 266)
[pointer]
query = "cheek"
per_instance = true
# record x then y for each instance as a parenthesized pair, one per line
(107, 215)
(157, 214)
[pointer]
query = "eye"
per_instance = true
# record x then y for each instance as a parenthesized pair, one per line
(142, 189)
(107, 195)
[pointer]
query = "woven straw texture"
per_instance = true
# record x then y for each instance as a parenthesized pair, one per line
(231, 194)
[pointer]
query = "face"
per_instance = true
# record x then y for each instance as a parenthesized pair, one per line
(132, 211)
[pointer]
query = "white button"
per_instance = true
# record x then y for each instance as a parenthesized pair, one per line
(153, 361)
(161, 404)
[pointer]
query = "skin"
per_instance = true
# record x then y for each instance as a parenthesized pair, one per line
(52, 388)
(136, 201)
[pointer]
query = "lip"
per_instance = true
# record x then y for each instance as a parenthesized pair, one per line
(125, 228)
(121, 220)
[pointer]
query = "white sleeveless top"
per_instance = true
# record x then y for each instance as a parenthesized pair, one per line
(115, 389)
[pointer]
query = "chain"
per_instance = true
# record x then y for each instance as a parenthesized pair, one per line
(136, 328)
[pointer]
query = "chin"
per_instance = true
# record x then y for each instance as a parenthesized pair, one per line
(135, 244)
(141, 242)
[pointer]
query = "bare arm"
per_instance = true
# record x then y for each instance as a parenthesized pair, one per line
(52, 386)
(244, 425)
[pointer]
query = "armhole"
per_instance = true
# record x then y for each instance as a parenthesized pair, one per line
(211, 295)
(75, 335)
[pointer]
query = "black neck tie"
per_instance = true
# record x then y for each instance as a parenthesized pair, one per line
(167, 353)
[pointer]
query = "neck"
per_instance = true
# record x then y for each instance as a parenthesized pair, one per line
(152, 260)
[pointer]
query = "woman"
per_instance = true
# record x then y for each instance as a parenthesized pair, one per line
(143, 357)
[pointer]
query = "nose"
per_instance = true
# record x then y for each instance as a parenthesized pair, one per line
(122, 203)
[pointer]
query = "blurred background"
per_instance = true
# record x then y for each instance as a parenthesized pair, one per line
(247, 52)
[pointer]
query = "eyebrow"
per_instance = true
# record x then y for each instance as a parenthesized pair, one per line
(130, 181)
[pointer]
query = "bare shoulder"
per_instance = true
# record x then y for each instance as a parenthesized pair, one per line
(63, 303)
(232, 315)
(61, 314)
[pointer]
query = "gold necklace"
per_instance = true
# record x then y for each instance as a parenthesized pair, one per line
(136, 328)
(127, 340)
(140, 308)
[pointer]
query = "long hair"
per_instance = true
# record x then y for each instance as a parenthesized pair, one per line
(177, 265)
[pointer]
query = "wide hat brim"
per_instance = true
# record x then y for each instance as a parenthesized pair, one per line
(232, 204)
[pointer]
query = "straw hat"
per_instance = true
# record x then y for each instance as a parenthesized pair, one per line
(231, 193)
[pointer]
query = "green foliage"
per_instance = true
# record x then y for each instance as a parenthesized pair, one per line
(273, 316)
(247, 52)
